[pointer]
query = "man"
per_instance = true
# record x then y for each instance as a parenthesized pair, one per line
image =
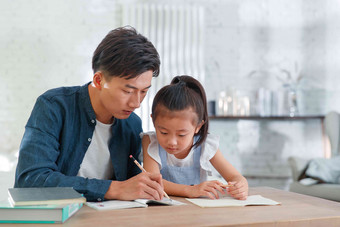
(82, 136)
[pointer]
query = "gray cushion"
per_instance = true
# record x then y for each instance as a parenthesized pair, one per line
(326, 191)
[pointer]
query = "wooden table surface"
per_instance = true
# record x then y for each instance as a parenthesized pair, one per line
(295, 210)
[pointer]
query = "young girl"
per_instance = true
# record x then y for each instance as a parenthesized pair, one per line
(181, 148)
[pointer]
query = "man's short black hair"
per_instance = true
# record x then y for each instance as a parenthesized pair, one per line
(125, 53)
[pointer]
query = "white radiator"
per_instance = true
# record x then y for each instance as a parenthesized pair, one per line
(178, 34)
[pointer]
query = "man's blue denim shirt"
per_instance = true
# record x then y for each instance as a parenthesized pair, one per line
(57, 136)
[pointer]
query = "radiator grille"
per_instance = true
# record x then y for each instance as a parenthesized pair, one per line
(178, 34)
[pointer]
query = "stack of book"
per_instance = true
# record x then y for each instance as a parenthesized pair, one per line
(40, 205)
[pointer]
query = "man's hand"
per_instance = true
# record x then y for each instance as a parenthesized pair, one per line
(141, 186)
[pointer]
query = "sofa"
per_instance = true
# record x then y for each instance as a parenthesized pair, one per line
(298, 165)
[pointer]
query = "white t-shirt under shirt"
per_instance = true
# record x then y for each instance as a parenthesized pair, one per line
(97, 161)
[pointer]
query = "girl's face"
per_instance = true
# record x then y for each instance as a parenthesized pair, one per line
(175, 130)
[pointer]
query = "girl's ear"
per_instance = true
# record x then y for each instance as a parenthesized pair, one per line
(199, 126)
(98, 80)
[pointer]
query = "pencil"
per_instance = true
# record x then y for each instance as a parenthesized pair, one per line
(227, 185)
(141, 168)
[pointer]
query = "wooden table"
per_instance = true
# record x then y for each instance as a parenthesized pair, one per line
(295, 210)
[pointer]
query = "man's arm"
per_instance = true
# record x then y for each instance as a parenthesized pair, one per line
(47, 158)
(37, 167)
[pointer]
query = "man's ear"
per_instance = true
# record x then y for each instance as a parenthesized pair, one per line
(199, 126)
(98, 80)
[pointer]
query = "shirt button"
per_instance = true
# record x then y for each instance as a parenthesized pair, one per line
(89, 139)
(92, 121)
(99, 199)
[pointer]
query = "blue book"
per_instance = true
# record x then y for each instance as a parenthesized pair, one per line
(58, 213)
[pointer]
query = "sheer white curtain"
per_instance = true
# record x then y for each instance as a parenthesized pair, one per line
(177, 31)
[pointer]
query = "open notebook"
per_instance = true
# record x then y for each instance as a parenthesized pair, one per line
(227, 200)
(120, 204)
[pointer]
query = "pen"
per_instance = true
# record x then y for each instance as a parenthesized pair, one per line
(141, 168)
(227, 185)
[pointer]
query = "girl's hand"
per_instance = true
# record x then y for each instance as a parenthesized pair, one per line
(239, 190)
(207, 189)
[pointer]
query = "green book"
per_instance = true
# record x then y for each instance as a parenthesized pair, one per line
(44, 196)
(58, 213)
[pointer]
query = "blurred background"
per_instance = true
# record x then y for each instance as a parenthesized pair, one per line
(270, 68)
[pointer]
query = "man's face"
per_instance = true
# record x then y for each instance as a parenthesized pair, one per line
(119, 97)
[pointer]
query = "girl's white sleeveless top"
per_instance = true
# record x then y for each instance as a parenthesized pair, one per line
(208, 151)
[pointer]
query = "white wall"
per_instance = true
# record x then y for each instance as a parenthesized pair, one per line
(268, 35)
(45, 44)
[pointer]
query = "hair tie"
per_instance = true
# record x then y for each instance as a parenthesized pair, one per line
(182, 83)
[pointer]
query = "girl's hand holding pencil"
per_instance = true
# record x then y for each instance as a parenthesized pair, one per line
(212, 189)
(239, 190)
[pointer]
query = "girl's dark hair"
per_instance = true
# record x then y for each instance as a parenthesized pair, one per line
(125, 53)
(184, 92)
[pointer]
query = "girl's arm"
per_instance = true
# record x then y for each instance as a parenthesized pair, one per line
(149, 164)
(207, 188)
(239, 189)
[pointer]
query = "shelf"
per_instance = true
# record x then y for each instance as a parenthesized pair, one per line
(321, 117)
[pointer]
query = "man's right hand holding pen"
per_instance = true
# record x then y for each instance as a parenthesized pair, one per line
(142, 186)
